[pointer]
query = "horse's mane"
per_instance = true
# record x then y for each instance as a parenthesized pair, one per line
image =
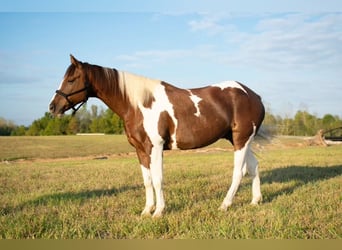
(137, 89)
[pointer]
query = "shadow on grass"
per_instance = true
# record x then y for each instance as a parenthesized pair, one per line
(61, 198)
(286, 180)
(299, 175)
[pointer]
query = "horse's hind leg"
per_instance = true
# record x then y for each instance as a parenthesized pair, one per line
(252, 166)
(240, 162)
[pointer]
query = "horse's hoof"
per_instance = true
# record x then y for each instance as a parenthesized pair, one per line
(256, 201)
(145, 214)
(223, 208)
(157, 214)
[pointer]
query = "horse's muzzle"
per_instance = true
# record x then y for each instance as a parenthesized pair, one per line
(52, 108)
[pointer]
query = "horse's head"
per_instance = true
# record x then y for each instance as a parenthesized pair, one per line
(74, 89)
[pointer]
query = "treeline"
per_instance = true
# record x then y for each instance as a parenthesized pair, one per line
(302, 124)
(93, 120)
(98, 120)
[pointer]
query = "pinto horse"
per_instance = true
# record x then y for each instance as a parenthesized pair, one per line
(158, 116)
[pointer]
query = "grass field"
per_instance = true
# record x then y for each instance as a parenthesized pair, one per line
(91, 187)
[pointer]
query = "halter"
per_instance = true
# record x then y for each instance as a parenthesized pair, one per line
(73, 105)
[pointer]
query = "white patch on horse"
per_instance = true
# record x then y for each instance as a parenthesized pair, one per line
(195, 99)
(146, 173)
(60, 86)
(151, 115)
(137, 88)
(229, 84)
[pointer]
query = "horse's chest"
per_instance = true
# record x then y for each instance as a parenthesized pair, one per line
(159, 120)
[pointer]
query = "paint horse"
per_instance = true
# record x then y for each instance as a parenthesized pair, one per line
(158, 116)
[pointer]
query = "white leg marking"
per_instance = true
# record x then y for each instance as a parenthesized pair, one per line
(239, 163)
(252, 165)
(146, 173)
(157, 178)
(195, 99)
(244, 169)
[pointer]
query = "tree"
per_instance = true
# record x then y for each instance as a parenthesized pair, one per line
(73, 126)
(38, 126)
(118, 125)
(94, 110)
(6, 127)
(328, 121)
(107, 122)
(84, 119)
(57, 126)
(19, 130)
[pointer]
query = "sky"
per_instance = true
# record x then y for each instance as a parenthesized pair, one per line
(291, 55)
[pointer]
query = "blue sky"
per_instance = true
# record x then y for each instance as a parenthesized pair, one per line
(291, 56)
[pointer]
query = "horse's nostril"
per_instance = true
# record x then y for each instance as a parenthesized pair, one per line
(52, 107)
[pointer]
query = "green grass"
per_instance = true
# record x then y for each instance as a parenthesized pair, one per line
(50, 196)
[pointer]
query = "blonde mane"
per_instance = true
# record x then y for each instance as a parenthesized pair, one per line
(137, 89)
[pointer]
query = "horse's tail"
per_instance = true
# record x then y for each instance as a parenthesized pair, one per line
(265, 133)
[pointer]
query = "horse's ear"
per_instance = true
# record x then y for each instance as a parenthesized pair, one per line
(74, 61)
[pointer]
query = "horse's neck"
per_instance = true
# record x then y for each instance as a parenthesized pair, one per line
(112, 96)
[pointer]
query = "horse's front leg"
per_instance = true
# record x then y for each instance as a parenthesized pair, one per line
(146, 173)
(156, 169)
(153, 178)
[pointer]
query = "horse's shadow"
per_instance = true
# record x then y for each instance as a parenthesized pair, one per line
(60, 198)
(297, 176)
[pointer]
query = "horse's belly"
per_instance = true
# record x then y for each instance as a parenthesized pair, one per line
(196, 134)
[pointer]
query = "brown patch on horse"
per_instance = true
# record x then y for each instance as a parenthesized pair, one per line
(166, 129)
(148, 101)
(138, 137)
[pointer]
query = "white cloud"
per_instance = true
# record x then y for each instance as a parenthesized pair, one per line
(209, 24)
(277, 41)
(298, 40)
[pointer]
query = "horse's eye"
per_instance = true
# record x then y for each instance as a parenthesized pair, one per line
(72, 79)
